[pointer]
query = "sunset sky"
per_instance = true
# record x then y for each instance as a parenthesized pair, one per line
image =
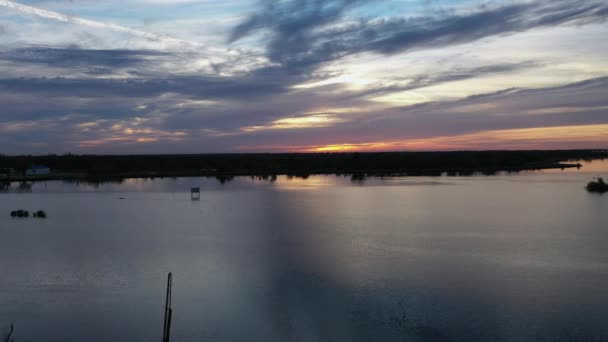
(186, 76)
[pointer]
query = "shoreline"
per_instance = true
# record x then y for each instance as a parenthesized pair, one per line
(226, 166)
(410, 172)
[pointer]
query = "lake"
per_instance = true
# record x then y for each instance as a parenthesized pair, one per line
(508, 257)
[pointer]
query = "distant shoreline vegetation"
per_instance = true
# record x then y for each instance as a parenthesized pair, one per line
(265, 166)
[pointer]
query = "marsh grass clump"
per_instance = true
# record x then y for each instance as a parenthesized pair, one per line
(22, 213)
(597, 186)
(40, 214)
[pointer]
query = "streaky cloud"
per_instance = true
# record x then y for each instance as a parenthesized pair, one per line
(577, 104)
(69, 57)
(311, 39)
(292, 16)
(39, 12)
(210, 87)
(300, 73)
(457, 74)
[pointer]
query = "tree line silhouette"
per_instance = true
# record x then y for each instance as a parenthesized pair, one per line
(300, 164)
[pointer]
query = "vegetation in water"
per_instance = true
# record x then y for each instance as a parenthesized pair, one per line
(40, 214)
(20, 213)
(24, 213)
(597, 186)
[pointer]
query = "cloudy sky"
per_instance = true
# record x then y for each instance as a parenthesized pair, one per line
(188, 76)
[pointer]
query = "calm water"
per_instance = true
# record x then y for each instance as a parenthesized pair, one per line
(508, 258)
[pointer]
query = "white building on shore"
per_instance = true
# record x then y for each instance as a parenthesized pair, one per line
(38, 170)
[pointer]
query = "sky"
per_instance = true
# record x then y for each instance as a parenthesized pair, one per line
(209, 76)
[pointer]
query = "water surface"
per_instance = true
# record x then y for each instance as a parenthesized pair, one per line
(515, 257)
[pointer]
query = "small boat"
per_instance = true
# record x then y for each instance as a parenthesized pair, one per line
(597, 186)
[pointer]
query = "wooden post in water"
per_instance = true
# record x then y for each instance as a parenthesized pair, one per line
(168, 311)
(7, 338)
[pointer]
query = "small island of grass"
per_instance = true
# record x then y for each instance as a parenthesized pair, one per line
(20, 213)
(40, 214)
(24, 213)
(597, 186)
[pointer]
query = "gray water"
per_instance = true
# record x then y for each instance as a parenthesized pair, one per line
(510, 257)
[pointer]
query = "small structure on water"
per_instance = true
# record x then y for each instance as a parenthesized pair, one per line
(195, 193)
(37, 170)
(168, 311)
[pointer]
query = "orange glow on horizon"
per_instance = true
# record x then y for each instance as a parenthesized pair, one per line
(352, 147)
(524, 138)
